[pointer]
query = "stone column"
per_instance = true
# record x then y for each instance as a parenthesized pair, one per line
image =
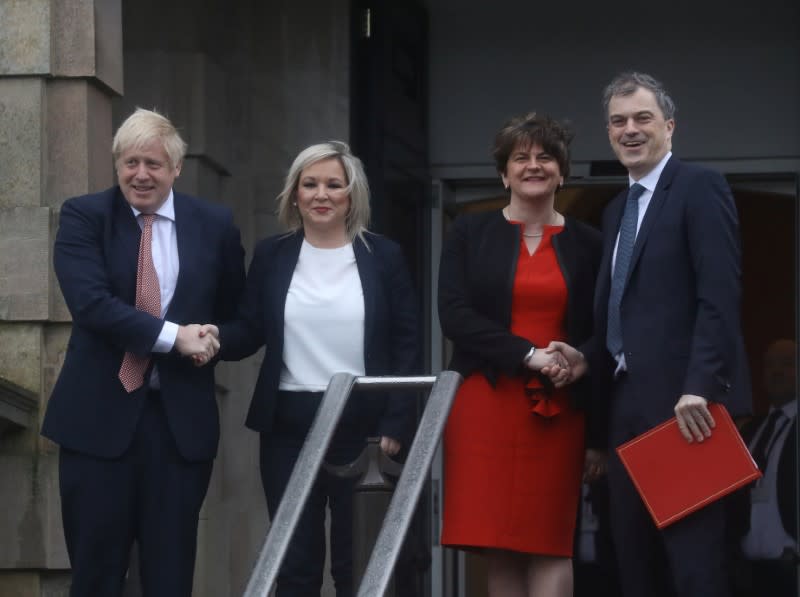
(60, 67)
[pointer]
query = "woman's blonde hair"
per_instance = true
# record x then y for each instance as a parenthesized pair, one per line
(357, 219)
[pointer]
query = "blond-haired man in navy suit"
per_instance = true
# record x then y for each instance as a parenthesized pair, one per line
(136, 421)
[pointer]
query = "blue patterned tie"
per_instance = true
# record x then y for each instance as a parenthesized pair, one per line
(627, 237)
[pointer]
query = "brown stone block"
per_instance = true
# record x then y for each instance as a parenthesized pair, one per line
(78, 139)
(56, 584)
(19, 584)
(21, 354)
(192, 91)
(25, 40)
(21, 139)
(108, 43)
(73, 38)
(30, 520)
(24, 263)
(20, 518)
(87, 40)
(49, 500)
(58, 307)
(199, 178)
(54, 349)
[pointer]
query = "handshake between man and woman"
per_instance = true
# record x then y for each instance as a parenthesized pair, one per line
(199, 342)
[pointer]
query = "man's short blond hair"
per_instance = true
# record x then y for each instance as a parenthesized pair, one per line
(143, 127)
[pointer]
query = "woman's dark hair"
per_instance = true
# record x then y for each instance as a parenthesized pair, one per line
(533, 129)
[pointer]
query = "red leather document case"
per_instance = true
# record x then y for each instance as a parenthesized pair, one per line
(675, 477)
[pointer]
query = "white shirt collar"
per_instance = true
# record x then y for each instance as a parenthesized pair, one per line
(650, 180)
(167, 209)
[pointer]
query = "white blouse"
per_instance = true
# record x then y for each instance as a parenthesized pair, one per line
(323, 330)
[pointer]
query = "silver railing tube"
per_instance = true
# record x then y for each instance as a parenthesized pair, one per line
(313, 452)
(406, 494)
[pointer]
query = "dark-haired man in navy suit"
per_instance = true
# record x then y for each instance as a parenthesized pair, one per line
(136, 421)
(667, 331)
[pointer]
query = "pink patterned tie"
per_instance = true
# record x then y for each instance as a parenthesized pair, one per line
(148, 299)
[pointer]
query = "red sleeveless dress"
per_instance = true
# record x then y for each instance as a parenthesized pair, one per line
(512, 476)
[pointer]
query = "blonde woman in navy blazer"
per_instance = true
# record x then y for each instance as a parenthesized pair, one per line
(288, 305)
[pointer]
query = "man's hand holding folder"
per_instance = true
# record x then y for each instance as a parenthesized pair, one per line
(693, 417)
(675, 477)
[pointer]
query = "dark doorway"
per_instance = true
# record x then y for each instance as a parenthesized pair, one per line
(389, 132)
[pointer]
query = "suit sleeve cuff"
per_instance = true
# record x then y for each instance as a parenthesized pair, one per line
(166, 339)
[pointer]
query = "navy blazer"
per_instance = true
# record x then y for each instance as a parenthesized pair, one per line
(680, 309)
(476, 280)
(95, 260)
(391, 335)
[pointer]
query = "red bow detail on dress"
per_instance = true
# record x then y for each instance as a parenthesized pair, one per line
(539, 391)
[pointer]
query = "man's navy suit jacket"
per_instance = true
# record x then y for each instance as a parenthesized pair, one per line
(95, 260)
(680, 309)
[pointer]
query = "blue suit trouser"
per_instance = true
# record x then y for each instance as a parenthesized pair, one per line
(150, 495)
(301, 573)
(687, 558)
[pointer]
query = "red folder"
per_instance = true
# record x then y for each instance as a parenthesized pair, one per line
(675, 477)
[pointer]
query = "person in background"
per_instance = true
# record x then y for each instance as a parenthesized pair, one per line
(136, 421)
(510, 282)
(767, 545)
(326, 296)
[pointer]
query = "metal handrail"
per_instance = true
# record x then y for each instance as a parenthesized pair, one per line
(409, 486)
(313, 452)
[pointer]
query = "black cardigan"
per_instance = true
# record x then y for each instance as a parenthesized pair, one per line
(476, 279)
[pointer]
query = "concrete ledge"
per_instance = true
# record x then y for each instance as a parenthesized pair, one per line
(17, 406)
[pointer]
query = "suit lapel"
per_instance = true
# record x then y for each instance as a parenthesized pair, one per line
(277, 284)
(125, 237)
(187, 248)
(368, 272)
(656, 203)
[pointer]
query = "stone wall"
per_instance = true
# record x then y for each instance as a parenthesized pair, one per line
(249, 84)
(60, 67)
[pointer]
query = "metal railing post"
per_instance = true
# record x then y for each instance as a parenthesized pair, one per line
(406, 495)
(372, 493)
(299, 486)
(412, 479)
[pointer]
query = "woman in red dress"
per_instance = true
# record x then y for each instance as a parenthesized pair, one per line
(515, 446)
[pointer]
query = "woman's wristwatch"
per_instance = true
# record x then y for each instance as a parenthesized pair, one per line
(529, 356)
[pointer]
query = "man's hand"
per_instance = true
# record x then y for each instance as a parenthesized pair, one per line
(595, 464)
(560, 374)
(212, 331)
(694, 420)
(190, 343)
(389, 446)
